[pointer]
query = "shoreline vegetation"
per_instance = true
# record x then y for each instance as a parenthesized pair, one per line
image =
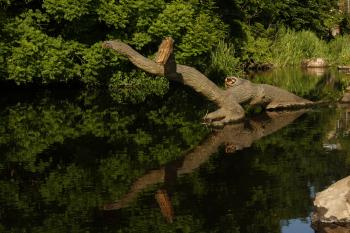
(49, 43)
(289, 49)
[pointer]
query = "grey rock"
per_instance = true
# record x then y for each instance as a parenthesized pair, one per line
(332, 205)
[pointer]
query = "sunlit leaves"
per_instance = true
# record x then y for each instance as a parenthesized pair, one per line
(113, 13)
(67, 9)
(194, 33)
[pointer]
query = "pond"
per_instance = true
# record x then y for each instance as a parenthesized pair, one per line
(78, 162)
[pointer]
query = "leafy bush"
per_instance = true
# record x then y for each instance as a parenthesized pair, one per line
(194, 32)
(256, 47)
(45, 42)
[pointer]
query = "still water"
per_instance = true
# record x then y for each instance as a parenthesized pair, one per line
(78, 162)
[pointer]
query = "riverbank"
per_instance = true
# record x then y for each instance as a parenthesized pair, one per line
(284, 48)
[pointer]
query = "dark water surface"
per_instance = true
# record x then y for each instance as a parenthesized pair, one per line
(78, 162)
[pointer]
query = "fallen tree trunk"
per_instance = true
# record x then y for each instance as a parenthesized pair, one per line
(238, 91)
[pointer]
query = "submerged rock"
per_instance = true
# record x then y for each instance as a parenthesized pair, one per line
(333, 204)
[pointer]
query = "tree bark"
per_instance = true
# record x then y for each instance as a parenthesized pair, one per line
(239, 91)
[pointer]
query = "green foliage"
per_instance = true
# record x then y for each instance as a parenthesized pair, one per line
(291, 47)
(45, 42)
(194, 33)
(335, 19)
(339, 50)
(3, 53)
(174, 20)
(50, 59)
(52, 42)
(224, 61)
(98, 65)
(256, 47)
(38, 57)
(67, 9)
(298, 15)
(206, 31)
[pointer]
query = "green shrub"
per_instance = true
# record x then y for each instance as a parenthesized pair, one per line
(195, 32)
(256, 47)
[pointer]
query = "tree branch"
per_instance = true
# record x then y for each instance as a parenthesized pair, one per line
(239, 91)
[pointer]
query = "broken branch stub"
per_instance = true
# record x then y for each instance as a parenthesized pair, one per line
(165, 50)
(166, 57)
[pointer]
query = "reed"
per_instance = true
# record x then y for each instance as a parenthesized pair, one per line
(291, 47)
(339, 50)
(223, 60)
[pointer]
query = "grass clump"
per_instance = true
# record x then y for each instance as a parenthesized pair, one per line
(291, 47)
(339, 50)
(224, 62)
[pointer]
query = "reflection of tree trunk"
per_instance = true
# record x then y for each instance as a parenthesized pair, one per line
(165, 205)
(239, 92)
(152, 177)
(238, 136)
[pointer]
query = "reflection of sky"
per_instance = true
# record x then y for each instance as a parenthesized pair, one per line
(296, 226)
(311, 190)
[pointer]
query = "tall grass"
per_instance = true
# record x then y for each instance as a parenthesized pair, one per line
(224, 62)
(287, 48)
(291, 47)
(339, 50)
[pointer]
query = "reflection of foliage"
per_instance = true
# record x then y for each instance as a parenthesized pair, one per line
(255, 189)
(61, 160)
(136, 86)
(291, 80)
(64, 158)
(310, 84)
